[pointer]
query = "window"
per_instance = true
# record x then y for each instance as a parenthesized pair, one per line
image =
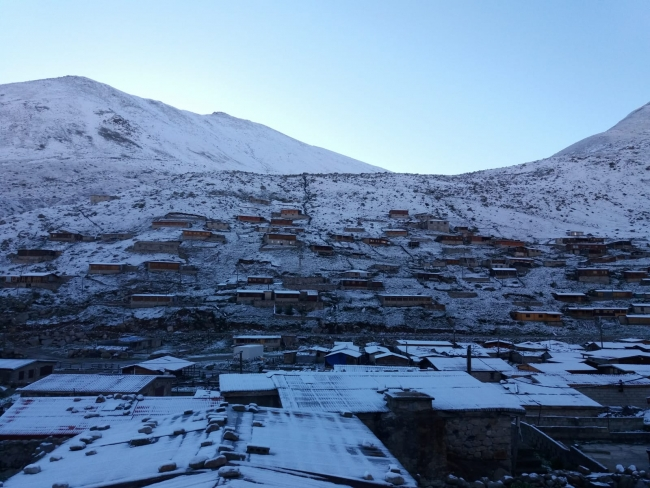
(21, 375)
(30, 373)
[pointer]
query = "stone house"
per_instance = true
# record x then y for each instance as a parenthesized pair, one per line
(163, 266)
(21, 372)
(592, 275)
(398, 214)
(167, 247)
(376, 241)
(49, 281)
(280, 239)
(322, 250)
(451, 240)
(436, 225)
(34, 255)
(106, 268)
(217, 225)
(570, 297)
(251, 218)
(65, 236)
(606, 295)
(396, 232)
(176, 224)
(536, 316)
(360, 284)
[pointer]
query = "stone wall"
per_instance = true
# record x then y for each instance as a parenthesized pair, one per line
(479, 440)
(16, 454)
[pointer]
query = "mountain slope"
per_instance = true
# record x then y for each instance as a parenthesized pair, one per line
(75, 118)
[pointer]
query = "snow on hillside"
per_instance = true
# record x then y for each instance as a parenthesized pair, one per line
(79, 119)
(601, 192)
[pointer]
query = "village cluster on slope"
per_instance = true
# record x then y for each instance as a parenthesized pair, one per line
(272, 263)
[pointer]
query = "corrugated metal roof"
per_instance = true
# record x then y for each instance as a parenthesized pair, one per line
(90, 383)
(16, 363)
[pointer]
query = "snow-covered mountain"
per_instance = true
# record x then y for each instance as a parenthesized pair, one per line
(75, 118)
(598, 186)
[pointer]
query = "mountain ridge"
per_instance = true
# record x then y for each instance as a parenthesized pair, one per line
(76, 117)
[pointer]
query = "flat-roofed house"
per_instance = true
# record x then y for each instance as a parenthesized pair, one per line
(105, 268)
(376, 241)
(62, 385)
(451, 239)
(360, 284)
(280, 239)
(251, 218)
(605, 295)
(436, 225)
(201, 235)
(322, 250)
(632, 276)
(504, 272)
(168, 247)
(398, 214)
(49, 281)
(536, 316)
(141, 300)
(163, 365)
(570, 297)
(65, 236)
(217, 225)
(409, 301)
(35, 255)
(396, 232)
(24, 371)
(163, 266)
(342, 237)
(176, 224)
(592, 275)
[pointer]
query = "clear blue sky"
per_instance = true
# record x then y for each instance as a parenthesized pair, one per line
(419, 86)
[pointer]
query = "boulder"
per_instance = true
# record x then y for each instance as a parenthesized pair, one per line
(230, 436)
(164, 468)
(53, 459)
(216, 462)
(229, 472)
(60, 484)
(145, 430)
(32, 469)
(77, 446)
(197, 462)
(394, 478)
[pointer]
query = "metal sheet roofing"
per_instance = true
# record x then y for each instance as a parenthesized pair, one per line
(13, 364)
(90, 383)
(363, 392)
(166, 363)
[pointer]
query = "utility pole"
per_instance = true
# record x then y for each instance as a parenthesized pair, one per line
(241, 362)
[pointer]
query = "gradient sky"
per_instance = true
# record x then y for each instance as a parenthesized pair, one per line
(419, 86)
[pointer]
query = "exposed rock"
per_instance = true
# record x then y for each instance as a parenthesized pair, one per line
(164, 468)
(32, 469)
(216, 462)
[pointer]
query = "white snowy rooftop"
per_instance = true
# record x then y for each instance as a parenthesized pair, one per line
(550, 395)
(63, 416)
(478, 364)
(317, 444)
(90, 383)
(166, 363)
(361, 392)
(14, 364)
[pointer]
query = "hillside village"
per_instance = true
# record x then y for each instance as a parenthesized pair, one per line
(169, 319)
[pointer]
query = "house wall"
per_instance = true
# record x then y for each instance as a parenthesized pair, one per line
(27, 374)
(610, 396)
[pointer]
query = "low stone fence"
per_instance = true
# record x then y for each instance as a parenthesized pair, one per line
(569, 456)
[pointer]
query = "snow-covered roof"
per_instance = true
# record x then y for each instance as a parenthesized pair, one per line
(166, 363)
(535, 395)
(329, 446)
(14, 364)
(66, 416)
(363, 392)
(369, 368)
(90, 383)
(615, 353)
(563, 367)
(389, 354)
(577, 380)
(478, 364)
(245, 382)
(257, 337)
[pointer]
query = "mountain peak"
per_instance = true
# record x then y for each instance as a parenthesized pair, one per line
(76, 118)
